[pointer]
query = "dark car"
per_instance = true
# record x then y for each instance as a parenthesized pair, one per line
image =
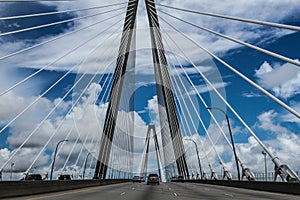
(32, 177)
(180, 178)
(153, 179)
(63, 177)
(137, 179)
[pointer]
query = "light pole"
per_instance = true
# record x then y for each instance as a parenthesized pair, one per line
(87, 156)
(11, 169)
(52, 168)
(34, 169)
(199, 163)
(74, 173)
(46, 176)
(221, 169)
(266, 172)
(232, 142)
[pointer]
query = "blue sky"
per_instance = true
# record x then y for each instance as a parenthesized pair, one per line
(278, 129)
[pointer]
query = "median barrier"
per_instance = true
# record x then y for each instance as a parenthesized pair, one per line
(280, 187)
(23, 188)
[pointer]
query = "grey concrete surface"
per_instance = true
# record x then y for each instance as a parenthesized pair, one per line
(164, 191)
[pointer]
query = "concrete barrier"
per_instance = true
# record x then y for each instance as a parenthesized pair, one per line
(280, 187)
(23, 188)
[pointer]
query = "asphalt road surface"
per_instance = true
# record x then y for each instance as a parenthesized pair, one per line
(164, 191)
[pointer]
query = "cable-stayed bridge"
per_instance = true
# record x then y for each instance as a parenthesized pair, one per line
(111, 90)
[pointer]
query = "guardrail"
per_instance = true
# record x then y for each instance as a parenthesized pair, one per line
(23, 188)
(279, 187)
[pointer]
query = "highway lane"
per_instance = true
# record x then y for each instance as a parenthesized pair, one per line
(164, 191)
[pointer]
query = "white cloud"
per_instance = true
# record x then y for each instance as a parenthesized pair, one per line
(25, 125)
(4, 153)
(206, 88)
(22, 160)
(289, 117)
(191, 70)
(267, 123)
(153, 110)
(89, 120)
(283, 143)
(251, 94)
(12, 104)
(264, 68)
(247, 9)
(283, 80)
(40, 57)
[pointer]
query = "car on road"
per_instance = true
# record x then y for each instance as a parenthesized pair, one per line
(64, 177)
(180, 178)
(138, 179)
(32, 177)
(153, 179)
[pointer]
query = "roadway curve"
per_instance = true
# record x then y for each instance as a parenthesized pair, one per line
(164, 191)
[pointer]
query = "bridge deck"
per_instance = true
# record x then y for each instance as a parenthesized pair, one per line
(163, 191)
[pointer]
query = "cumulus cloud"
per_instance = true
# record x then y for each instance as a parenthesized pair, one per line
(109, 49)
(288, 117)
(283, 80)
(56, 126)
(153, 109)
(284, 143)
(238, 30)
(266, 119)
(83, 129)
(208, 146)
(11, 105)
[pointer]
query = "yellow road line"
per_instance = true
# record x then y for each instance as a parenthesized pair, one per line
(62, 194)
(68, 193)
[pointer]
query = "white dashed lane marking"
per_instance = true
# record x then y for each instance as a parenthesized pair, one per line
(230, 195)
(123, 193)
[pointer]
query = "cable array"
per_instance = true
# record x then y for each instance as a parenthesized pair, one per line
(106, 84)
(179, 117)
(276, 161)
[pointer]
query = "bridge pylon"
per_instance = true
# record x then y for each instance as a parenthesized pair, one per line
(143, 173)
(171, 134)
